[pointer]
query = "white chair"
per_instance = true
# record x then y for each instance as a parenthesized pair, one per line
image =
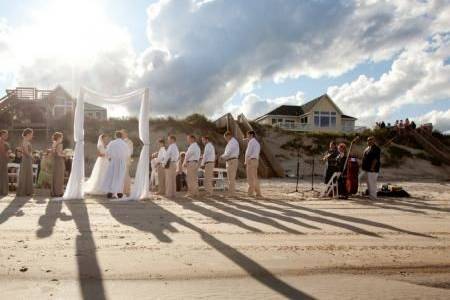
(218, 178)
(14, 171)
(332, 186)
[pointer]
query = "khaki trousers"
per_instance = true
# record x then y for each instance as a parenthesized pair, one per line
(127, 180)
(192, 177)
(207, 181)
(171, 180)
(161, 179)
(232, 166)
(252, 177)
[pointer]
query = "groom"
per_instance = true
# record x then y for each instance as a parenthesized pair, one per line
(117, 153)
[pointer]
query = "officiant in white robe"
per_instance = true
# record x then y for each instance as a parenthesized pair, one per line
(118, 154)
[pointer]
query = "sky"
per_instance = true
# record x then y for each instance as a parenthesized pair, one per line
(378, 60)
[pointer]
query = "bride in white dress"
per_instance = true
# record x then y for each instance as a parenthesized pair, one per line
(93, 186)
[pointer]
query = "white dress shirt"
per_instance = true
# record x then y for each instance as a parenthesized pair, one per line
(253, 149)
(209, 155)
(231, 150)
(193, 153)
(172, 153)
(161, 153)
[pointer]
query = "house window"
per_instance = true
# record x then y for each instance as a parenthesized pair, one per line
(324, 119)
(304, 120)
(98, 115)
(317, 118)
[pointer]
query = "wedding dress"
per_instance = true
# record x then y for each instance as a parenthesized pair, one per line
(93, 186)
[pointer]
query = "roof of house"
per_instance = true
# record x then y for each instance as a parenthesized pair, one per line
(298, 110)
(348, 117)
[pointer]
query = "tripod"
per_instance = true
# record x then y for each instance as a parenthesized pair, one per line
(298, 174)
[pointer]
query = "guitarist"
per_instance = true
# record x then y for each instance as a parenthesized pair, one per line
(371, 163)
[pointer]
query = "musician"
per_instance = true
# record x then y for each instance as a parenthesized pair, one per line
(371, 165)
(331, 163)
(340, 167)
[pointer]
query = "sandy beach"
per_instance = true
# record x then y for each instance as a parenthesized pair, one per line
(287, 245)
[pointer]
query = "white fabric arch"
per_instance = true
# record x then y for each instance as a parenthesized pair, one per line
(140, 188)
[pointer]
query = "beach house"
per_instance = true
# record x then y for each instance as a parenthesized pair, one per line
(320, 114)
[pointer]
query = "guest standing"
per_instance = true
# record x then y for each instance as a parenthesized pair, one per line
(191, 163)
(4, 158)
(209, 157)
(45, 176)
(331, 163)
(181, 182)
(231, 155)
(251, 164)
(59, 167)
(170, 165)
(25, 186)
(160, 167)
(18, 155)
(371, 165)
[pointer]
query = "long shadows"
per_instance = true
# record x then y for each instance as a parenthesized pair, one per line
(344, 218)
(13, 208)
(89, 273)
(291, 213)
(143, 214)
(52, 214)
(250, 216)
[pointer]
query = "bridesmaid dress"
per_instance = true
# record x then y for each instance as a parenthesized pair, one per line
(59, 169)
(25, 187)
(4, 180)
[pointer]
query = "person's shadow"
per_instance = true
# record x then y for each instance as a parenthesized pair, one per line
(52, 214)
(89, 273)
(14, 208)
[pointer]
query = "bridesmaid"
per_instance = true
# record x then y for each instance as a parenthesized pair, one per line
(4, 157)
(59, 167)
(25, 187)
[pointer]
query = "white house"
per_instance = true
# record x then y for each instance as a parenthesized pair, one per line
(320, 114)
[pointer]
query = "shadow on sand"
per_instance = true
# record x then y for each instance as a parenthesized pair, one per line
(152, 218)
(14, 208)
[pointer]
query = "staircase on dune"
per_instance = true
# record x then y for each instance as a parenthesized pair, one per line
(432, 145)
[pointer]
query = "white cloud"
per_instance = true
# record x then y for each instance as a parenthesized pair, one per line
(203, 52)
(71, 43)
(418, 75)
(216, 49)
(439, 118)
(253, 106)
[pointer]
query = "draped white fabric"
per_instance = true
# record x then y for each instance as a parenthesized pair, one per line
(74, 188)
(140, 188)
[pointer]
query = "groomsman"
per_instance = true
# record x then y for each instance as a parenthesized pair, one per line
(251, 164)
(231, 155)
(127, 183)
(170, 165)
(160, 167)
(209, 157)
(191, 161)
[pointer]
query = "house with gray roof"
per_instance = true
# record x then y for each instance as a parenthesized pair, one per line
(320, 114)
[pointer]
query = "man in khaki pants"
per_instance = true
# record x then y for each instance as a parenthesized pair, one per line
(231, 155)
(251, 164)
(160, 168)
(170, 165)
(209, 157)
(191, 162)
